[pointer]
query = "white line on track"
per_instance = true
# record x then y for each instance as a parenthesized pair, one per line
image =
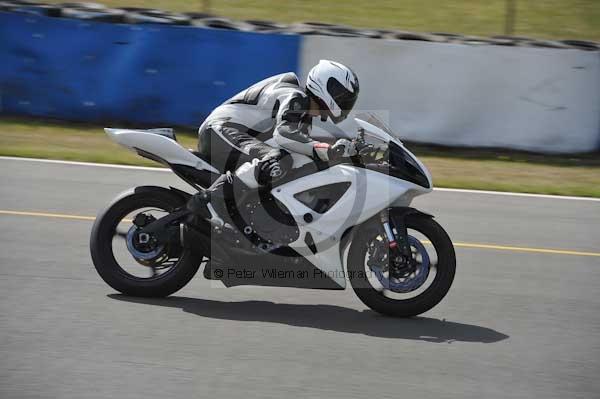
(453, 190)
(511, 194)
(89, 164)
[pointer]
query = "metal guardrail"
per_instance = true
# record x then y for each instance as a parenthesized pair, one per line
(130, 15)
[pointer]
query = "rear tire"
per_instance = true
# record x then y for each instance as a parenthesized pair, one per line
(103, 257)
(446, 267)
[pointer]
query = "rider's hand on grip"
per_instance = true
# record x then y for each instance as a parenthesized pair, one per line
(343, 148)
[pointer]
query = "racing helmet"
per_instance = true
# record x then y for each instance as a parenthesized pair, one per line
(334, 87)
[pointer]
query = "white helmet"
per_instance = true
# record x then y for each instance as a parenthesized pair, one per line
(334, 87)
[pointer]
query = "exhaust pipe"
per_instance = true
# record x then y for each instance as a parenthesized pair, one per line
(200, 243)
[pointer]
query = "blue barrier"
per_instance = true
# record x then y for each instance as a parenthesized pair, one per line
(143, 74)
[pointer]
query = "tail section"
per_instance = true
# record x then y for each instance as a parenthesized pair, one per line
(160, 145)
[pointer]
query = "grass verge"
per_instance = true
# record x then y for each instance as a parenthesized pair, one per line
(554, 19)
(500, 170)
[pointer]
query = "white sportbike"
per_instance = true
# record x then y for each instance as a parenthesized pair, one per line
(322, 226)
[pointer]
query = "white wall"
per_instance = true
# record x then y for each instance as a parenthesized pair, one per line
(492, 96)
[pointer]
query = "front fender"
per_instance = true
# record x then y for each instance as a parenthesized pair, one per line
(404, 211)
(400, 212)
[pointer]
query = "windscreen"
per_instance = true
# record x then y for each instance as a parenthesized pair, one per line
(375, 121)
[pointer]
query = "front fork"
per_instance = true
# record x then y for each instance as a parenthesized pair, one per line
(398, 241)
(400, 259)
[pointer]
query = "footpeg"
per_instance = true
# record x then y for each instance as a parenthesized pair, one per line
(198, 204)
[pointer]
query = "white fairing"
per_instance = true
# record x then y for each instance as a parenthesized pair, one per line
(369, 193)
(154, 142)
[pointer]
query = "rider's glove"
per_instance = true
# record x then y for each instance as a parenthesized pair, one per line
(321, 151)
(343, 148)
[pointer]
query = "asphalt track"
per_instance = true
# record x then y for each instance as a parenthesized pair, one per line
(521, 321)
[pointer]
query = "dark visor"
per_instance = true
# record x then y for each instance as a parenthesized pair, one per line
(344, 98)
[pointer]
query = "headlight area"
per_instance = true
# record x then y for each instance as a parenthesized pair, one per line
(402, 166)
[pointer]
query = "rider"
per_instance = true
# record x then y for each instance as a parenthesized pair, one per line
(278, 108)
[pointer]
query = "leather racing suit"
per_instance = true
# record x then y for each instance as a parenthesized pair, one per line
(273, 109)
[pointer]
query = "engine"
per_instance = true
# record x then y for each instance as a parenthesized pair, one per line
(264, 220)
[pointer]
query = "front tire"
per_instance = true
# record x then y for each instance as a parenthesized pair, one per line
(425, 300)
(103, 256)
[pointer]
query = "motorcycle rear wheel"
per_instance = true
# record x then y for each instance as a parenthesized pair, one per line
(374, 297)
(105, 230)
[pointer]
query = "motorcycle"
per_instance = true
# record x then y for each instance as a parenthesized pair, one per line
(322, 226)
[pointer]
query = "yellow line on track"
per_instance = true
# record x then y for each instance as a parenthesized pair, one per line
(47, 215)
(52, 215)
(525, 249)
(456, 244)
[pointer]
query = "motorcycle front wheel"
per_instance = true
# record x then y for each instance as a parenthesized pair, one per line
(414, 290)
(139, 265)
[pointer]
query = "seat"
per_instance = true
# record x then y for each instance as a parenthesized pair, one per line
(162, 131)
(200, 155)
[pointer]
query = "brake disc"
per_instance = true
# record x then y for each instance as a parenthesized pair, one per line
(413, 280)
